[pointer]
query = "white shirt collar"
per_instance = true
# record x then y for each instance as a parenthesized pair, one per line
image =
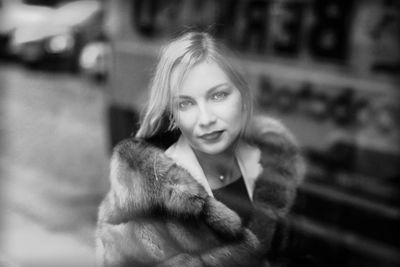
(248, 158)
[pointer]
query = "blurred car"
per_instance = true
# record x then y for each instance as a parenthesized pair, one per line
(15, 14)
(95, 59)
(58, 41)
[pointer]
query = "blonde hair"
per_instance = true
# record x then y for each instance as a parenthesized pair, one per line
(179, 56)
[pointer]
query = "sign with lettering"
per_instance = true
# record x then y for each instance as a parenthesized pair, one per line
(258, 26)
(320, 30)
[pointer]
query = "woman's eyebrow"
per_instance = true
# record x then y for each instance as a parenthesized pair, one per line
(209, 91)
(214, 88)
(182, 97)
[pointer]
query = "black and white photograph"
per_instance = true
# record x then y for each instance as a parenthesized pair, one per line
(204, 133)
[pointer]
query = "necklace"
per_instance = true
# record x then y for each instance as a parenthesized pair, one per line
(230, 172)
(219, 175)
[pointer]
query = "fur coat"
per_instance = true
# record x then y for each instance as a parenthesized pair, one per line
(157, 214)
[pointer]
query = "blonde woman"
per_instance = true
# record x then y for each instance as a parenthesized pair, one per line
(216, 195)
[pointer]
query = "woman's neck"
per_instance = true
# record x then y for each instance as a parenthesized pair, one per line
(220, 169)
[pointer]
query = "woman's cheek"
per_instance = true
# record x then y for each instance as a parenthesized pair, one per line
(186, 120)
(233, 108)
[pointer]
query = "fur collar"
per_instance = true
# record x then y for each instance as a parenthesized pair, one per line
(144, 179)
(247, 156)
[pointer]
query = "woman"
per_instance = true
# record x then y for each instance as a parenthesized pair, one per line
(216, 195)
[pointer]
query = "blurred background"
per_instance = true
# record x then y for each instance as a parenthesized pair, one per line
(74, 76)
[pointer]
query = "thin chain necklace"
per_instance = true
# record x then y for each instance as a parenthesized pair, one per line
(222, 178)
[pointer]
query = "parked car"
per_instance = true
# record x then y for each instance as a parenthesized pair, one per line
(94, 61)
(58, 41)
(16, 14)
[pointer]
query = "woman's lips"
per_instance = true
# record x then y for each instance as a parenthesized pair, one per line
(211, 136)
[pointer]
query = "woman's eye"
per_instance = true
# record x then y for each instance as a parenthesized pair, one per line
(184, 104)
(219, 96)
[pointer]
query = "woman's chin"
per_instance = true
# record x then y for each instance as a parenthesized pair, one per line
(213, 149)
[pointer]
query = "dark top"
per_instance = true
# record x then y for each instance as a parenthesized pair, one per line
(235, 196)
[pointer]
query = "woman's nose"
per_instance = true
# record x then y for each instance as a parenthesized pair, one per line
(206, 116)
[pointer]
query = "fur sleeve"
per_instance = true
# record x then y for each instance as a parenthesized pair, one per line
(282, 162)
(143, 180)
(239, 247)
(241, 253)
(283, 171)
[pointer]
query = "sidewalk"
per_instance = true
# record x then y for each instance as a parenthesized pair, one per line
(25, 243)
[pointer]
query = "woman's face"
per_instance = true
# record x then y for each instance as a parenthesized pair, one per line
(208, 109)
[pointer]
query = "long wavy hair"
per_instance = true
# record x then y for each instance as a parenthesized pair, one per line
(179, 57)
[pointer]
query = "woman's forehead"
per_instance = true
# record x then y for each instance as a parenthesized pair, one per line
(202, 76)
